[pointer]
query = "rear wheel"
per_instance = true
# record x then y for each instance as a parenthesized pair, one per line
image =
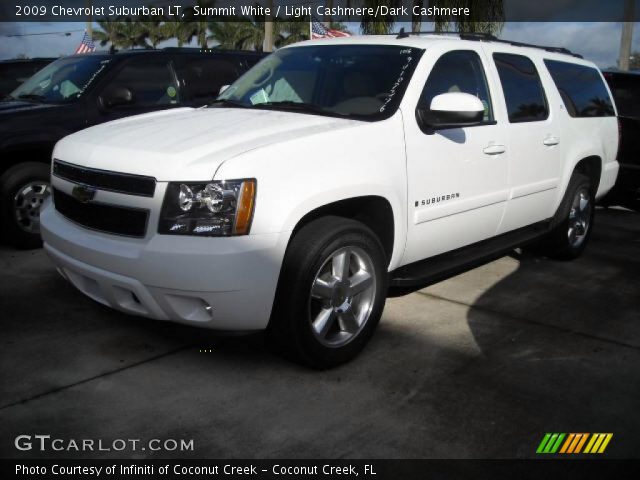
(23, 189)
(331, 293)
(573, 222)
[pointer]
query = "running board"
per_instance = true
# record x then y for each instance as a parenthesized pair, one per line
(432, 270)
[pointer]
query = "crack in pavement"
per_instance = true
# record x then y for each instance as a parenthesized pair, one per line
(95, 377)
(529, 321)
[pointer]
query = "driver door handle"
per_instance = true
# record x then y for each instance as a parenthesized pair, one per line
(551, 140)
(494, 149)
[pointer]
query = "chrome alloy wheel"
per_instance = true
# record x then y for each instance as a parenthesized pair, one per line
(342, 296)
(579, 217)
(27, 203)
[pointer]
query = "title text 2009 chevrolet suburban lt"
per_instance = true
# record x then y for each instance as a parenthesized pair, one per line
(330, 175)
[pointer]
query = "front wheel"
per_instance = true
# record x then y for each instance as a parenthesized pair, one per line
(23, 189)
(331, 292)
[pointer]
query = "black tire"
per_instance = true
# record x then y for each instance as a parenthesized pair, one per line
(558, 243)
(13, 181)
(290, 328)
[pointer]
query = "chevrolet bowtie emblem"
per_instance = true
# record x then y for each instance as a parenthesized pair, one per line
(83, 193)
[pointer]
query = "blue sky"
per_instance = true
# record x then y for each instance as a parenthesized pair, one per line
(598, 41)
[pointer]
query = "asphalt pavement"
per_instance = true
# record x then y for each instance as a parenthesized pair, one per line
(478, 366)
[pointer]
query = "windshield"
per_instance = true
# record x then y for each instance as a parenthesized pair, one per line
(64, 80)
(361, 81)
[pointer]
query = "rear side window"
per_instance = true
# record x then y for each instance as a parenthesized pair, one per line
(523, 92)
(205, 75)
(151, 82)
(458, 71)
(581, 88)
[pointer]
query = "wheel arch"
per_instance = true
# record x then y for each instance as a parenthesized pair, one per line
(589, 163)
(374, 211)
(36, 152)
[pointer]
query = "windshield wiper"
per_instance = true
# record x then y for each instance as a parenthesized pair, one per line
(290, 105)
(227, 103)
(32, 96)
(304, 107)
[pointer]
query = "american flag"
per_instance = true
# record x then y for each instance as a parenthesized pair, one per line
(86, 45)
(318, 30)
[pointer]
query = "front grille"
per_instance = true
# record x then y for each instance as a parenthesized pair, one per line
(106, 180)
(131, 222)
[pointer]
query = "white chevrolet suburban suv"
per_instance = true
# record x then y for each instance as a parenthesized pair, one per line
(332, 174)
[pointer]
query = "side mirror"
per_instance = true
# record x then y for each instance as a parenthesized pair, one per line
(223, 88)
(450, 110)
(116, 96)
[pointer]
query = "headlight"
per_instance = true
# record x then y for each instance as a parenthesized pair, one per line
(212, 209)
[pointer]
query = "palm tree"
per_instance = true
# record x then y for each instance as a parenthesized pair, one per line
(198, 24)
(251, 35)
(226, 33)
(487, 16)
(120, 34)
(109, 33)
(183, 32)
(287, 31)
(155, 30)
(372, 26)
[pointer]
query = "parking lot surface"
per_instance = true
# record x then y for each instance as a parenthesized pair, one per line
(479, 366)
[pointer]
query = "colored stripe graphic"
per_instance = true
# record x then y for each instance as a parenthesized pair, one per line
(550, 443)
(574, 443)
(598, 442)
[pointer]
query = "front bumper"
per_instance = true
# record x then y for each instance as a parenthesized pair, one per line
(219, 283)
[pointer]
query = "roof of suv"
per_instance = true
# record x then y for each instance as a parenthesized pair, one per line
(172, 51)
(429, 39)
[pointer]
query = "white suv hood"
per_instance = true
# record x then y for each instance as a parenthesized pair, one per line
(186, 144)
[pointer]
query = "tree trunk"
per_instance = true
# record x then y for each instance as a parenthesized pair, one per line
(627, 36)
(416, 20)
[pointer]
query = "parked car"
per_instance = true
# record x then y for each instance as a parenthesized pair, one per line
(330, 175)
(625, 87)
(76, 92)
(15, 72)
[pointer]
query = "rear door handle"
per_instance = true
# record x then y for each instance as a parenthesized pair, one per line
(494, 149)
(550, 141)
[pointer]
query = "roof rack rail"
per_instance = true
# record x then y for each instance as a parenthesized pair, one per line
(487, 37)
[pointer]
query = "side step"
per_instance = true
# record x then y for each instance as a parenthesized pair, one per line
(415, 276)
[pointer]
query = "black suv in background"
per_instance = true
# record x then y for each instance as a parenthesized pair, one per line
(625, 87)
(14, 72)
(79, 91)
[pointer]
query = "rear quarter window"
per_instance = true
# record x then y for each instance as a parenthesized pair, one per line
(582, 89)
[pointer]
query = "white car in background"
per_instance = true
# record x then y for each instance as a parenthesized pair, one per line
(333, 173)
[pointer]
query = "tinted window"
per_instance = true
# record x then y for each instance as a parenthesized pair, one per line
(522, 88)
(204, 76)
(458, 71)
(626, 92)
(63, 80)
(361, 81)
(581, 88)
(151, 82)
